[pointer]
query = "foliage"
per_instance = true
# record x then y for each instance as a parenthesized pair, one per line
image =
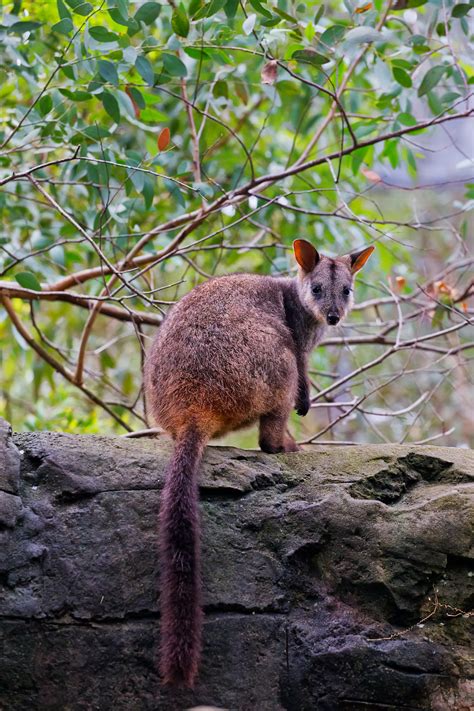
(147, 146)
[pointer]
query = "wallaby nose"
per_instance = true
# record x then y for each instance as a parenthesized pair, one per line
(333, 318)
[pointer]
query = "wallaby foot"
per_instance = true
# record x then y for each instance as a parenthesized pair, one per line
(274, 436)
(291, 445)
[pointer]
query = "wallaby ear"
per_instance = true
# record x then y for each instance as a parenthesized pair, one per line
(358, 259)
(306, 255)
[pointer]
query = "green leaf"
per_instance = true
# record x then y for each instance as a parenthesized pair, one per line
(180, 22)
(438, 316)
(45, 104)
(285, 16)
(63, 12)
(96, 132)
(64, 27)
(319, 14)
(259, 8)
(434, 103)
(117, 17)
(108, 71)
(173, 65)
(148, 12)
(28, 281)
(144, 68)
(133, 27)
(151, 115)
(137, 96)
(403, 63)
(76, 95)
(406, 119)
(68, 72)
(204, 189)
(421, 48)
(363, 35)
(409, 4)
(431, 78)
(391, 151)
(231, 7)
(209, 9)
(358, 157)
(461, 9)
(106, 360)
(364, 128)
(332, 35)
(199, 54)
(111, 105)
(194, 6)
(401, 76)
(102, 34)
(309, 56)
(220, 56)
(450, 97)
(121, 6)
(18, 28)
(411, 161)
(221, 89)
(80, 7)
(415, 40)
(148, 191)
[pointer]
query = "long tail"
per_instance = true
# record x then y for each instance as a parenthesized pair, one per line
(180, 597)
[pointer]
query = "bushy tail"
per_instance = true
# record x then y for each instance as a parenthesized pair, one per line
(180, 597)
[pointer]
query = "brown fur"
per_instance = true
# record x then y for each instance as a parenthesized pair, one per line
(232, 352)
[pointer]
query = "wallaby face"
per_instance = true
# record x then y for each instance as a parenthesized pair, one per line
(325, 284)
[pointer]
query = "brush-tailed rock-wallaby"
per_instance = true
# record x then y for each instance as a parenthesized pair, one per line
(232, 352)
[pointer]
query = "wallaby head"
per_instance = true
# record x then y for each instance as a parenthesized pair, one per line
(324, 283)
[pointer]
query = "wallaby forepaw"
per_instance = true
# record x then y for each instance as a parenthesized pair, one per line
(303, 406)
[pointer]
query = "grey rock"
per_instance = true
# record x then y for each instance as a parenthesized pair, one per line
(318, 567)
(9, 460)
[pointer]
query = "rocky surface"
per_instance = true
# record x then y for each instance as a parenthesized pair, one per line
(316, 565)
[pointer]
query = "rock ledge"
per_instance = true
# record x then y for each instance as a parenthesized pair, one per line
(315, 567)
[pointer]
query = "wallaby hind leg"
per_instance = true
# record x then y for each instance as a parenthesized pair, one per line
(274, 436)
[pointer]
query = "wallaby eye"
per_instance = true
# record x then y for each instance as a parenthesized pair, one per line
(317, 289)
(346, 291)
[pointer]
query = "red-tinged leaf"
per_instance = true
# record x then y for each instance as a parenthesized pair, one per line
(364, 8)
(269, 72)
(371, 175)
(136, 108)
(164, 138)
